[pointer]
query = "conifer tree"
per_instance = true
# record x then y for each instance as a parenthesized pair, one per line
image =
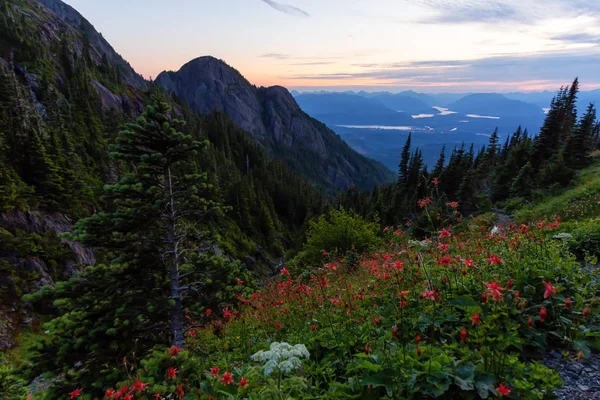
(523, 183)
(579, 142)
(150, 238)
(439, 165)
(404, 161)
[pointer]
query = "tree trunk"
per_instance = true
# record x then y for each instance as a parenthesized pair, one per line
(177, 332)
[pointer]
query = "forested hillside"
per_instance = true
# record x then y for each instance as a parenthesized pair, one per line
(64, 96)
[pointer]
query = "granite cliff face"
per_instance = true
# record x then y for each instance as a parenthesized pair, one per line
(274, 119)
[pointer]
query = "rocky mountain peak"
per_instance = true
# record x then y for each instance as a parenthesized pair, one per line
(272, 116)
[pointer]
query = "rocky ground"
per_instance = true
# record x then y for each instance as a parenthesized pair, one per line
(581, 378)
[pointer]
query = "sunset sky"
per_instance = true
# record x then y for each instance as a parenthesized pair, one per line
(426, 45)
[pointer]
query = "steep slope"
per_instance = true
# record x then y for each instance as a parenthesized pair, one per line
(274, 119)
(99, 45)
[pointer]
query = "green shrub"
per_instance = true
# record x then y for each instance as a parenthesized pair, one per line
(584, 237)
(338, 232)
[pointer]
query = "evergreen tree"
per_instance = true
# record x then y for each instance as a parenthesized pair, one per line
(404, 162)
(523, 183)
(580, 142)
(151, 238)
(439, 165)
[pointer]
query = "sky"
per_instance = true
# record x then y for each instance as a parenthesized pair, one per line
(424, 45)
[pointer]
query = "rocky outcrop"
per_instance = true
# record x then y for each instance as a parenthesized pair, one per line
(98, 45)
(274, 119)
(121, 102)
(32, 256)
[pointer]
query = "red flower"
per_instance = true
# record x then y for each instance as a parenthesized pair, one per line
(550, 290)
(568, 303)
(418, 339)
(377, 320)
(494, 289)
(424, 202)
(240, 282)
(208, 312)
(399, 265)
(75, 393)
(494, 259)
(367, 349)
(429, 294)
(435, 181)
(502, 390)
(139, 386)
(214, 371)
(109, 393)
(284, 271)
(444, 233)
(278, 325)
(227, 378)
(530, 322)
(128, 397)
(463, 335)
(157, 396)
(173, 351)
(586, 312)
(543, 314)
(314, 328)
(475, 319)
(243, 382)
(469, 263)
(180, 392)
(172, 373)
(418, 352)
(453, 204)
(227, 313)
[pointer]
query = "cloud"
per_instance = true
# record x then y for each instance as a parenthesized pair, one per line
(314, 63)
(277, 56)
(552, 69)
(503, 11)
(287, 9)
(578, 38)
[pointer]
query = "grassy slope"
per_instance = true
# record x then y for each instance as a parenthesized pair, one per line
(580, 201)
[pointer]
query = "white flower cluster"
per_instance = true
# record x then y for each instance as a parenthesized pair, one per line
(563, 236)
(282, 357)
(419, 244)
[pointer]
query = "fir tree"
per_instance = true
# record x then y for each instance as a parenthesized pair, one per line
(404, 162)
(580, 142)
(149, 235)
(523, 183)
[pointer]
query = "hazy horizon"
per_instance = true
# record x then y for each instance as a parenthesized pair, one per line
(428, 46)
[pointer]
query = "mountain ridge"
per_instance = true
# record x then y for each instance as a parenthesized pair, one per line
(273, 117)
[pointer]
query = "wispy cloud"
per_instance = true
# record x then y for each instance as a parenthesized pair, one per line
(540, 67)
(276, 56)
(584, 38)
(314, 63)
(502, 11)
(287, 9)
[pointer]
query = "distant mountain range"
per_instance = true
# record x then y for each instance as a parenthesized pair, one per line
(376, 124)
(540, 99)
